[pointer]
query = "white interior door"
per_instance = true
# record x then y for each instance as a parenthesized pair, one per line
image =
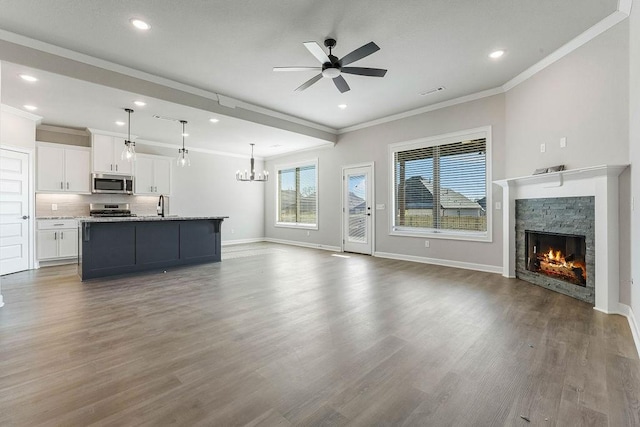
(14, 211)
(357, 215)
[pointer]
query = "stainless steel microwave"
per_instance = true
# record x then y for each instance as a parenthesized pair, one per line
(111, 184)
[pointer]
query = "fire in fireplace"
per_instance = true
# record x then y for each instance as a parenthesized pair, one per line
(560, 256)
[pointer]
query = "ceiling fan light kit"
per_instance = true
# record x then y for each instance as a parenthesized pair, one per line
(333, 68)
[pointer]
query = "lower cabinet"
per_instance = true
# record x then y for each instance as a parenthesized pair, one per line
(57, 240)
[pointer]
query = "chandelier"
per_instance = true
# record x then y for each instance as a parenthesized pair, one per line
(251, 174)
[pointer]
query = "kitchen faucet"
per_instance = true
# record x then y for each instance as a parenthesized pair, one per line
(160, 208)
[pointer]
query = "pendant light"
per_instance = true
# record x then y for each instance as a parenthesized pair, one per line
(129, 151)
(251, 176)
(183, 153)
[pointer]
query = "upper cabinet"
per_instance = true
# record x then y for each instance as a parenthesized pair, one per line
(107, 155)
(152, 175)
(63, 168)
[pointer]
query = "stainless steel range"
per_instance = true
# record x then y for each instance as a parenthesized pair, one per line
(110, 210)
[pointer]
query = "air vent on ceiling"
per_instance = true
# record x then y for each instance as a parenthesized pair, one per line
(171, 119)
(432, 91)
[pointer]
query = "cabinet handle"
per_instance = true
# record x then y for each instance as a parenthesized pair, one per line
(58, 225)
(67, 185)
(61, 235)
(116, 168)
(155, 189)
(55, 235)
(110, 167)
(61, 185)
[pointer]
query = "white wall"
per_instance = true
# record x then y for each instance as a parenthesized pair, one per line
(17, 131)
(634, 149)
(209, 188)
(371, 145)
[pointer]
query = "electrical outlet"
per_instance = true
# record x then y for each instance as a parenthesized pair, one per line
(54, 206)
(380, 207)
(498, 206)
(543, 148)
(426, 244)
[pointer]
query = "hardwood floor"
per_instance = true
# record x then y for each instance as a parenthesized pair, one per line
(279, 336)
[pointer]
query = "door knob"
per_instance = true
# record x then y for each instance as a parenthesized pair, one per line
(25, 216)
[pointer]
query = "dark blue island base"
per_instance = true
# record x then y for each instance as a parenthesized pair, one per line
(115, 247)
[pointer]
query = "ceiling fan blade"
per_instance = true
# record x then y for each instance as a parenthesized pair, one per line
(359, 53)
(297, 68)
(341, 84)
(317, 51)
(308, 83)
(360, 71)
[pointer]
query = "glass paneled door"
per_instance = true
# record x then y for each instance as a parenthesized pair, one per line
(357, 211)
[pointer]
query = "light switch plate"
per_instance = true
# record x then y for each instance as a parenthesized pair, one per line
(498, 206)
(54, 206)
(563, 142)
(380, 207)
(543, 148)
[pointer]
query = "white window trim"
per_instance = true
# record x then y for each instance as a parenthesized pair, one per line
(475, 133)
(278, 168)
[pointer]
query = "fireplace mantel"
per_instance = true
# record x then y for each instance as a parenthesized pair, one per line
(598, 181)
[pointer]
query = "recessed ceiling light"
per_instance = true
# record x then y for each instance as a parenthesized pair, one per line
(140, 103)
(214, 120)
(342, 106)
(30, 107)
(496, 54)
(119, 123)
(28, 78)
(139, 24)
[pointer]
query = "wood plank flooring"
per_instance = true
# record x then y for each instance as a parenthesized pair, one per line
(281, 336)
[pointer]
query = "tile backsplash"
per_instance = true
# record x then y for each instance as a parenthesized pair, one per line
(78, 204)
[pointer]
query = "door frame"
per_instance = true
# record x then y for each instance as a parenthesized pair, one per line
(372, 184)
(32, 200)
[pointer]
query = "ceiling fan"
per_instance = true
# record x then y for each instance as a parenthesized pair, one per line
(333, 68)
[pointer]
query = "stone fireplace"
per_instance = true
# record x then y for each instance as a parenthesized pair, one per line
(576, 203)
(555, 244)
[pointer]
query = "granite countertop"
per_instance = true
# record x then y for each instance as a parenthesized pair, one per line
(59, 217)
(148, 218)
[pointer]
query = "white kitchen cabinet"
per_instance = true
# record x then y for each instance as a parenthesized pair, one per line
(152, 175)
(57, 239)
(63, 168)
(107, 155)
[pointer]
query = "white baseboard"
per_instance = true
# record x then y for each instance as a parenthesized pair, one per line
(446, 263)
(626, 311)
(304, 245)
(241, 241)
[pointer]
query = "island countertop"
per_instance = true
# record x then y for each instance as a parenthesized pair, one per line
(111, 246)
(149, 218)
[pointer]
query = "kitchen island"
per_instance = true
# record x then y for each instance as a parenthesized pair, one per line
(114, 246)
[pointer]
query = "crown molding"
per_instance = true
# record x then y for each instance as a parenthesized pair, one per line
(59, 129)
(426, 109)
(624, 8)
(24, 114)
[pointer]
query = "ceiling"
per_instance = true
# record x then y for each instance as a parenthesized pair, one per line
(230, 48)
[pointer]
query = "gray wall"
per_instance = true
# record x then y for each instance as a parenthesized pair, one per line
(585, 98)
(208, 187)
(371, 145)
(634, 137)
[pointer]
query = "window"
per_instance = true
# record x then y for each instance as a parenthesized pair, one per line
(440, 186)
(297, 195)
